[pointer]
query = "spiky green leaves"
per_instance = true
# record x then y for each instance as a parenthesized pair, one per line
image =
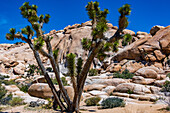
(46, 19)
(27, 31)
(55, 53)
(71, 64)
(10, 35)
(98, 17)
(30, 12)
(86, 43)
(38, 43)
(79, 65)
(126, 38)
(125, 9)
(123, 20)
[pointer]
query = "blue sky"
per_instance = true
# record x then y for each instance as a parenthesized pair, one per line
(145, 14)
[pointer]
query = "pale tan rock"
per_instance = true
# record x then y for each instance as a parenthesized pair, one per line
(110, 82)
(42, 90)
(132, 66)
(94, 87)
(113, 68)
(12, 88)
(120, 94)
(141, 33)
(159, 82)
(97, 93)
(135, 88)
(142, 80)
(127, 31)
(134, 96)
(109, 89)
(147, 72)
(159, 54)
(143, 97)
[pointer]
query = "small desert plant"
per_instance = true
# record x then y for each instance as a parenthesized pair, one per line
(63, 79)
(23, 88)
(49, 105)
(2, 91)
(33, 69)
(166, 86)
(130, 91)
(8, 82)
(93, 72)
(113, 102)
(16, 101)
(5, 100)
(168, 75)
(125, 74)
(93, 101)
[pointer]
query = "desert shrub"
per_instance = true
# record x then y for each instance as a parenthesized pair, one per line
(125, 74)
(23, 88)
(168, 75)
(166, 86)
(33, 69)
(49, 105)
(5, 100)
(93, 101)
(8, 82)
(2, 91)
(92, 72)
(63, 79)
(130, 91)
(16, 101)
(113, 102)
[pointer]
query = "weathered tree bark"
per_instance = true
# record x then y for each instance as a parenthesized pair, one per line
(51, 85)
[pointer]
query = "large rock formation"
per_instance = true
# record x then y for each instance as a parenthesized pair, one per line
(147, 48)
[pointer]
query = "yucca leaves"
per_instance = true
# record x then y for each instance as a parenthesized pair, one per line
(126, 38)
(55, 53)
(97, 16)
(86, 43)
(38, 43)
(71, 64)
(125, 9)
(47, 17)
(79, 65)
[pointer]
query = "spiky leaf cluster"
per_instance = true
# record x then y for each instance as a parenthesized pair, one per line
(125, 10)
(98, 17)
(10, 35)
(27, 31)
(86, 43)
(38, 43)
(79, 65)
(71, 64)
(30, 12)
(55, 53)
(126, 38)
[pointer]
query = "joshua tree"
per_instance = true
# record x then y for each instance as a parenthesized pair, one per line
(96, 47)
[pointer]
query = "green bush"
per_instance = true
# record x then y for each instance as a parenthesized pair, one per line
(49, 105)
(63, 79)
(113, 102)
(92, 72)
(166, 86)
(7, 82)
(16, 101)
(93, 101)
(125, 74)
(168, 75)
(2, 91)
(24, 88)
